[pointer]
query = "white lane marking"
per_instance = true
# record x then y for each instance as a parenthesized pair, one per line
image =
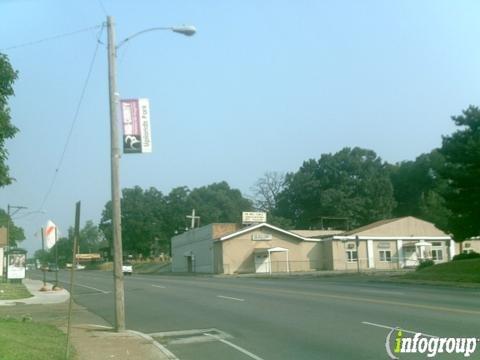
(96, 293)
(399, 328)
(242, 350)
(160, 286)
(386, 292)
(85, 286)
(230, 298)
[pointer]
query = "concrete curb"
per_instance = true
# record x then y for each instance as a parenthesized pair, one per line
(159, 346)
(38, 297)
(144, 336)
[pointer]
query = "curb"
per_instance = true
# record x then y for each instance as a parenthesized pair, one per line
(144, 336)
(162, 348)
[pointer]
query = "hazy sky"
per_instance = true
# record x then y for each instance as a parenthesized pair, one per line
(262, 86)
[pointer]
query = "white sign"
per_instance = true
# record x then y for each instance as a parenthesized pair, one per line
(253, 217)
(137, 136)
(260, 237)
(16, 266)
(51, 232)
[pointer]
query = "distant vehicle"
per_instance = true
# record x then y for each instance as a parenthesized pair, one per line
(52, 267)
(127, 268)
(79, 267)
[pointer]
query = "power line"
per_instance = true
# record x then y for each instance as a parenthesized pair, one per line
(74, 120)
(59, 36)
(103, 7)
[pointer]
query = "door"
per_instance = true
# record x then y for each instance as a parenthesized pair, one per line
(410, 255)
(262, 263)
(189, 264)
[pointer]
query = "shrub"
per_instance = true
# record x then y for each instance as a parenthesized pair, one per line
(424, 264)
(465, 256)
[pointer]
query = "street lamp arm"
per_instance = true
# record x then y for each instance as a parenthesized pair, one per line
(187, 30)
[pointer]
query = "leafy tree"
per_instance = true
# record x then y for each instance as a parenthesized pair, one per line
(7, 130)
(218, 202)
(142, 214)
(462, 171)
(150, 219)
(418, 188)
(353, 183)
(15, 233)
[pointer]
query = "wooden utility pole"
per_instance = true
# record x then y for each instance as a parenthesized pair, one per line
(72, 277)
(115, 178)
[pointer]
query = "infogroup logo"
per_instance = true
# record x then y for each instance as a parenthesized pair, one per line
(431, 346)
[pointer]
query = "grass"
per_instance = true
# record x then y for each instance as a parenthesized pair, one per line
(26, 340)
(13, 291)
(455, 271)
(151, 267)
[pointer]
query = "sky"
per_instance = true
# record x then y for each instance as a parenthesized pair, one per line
(262, 86)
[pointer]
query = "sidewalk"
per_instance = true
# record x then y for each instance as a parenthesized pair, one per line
(91, 336)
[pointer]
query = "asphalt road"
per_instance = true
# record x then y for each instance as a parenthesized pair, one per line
(294, 318)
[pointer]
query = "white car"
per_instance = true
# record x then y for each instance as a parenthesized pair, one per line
(127, 269)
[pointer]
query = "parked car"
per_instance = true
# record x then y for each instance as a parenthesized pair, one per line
(127, 268)
(53, 267)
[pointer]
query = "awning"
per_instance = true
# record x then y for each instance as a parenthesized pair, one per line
(423, 243)
(277, 249)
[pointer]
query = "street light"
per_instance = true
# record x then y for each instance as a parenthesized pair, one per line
(115, 162)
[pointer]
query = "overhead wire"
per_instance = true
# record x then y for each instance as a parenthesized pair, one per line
(59, 36)
(74, 120)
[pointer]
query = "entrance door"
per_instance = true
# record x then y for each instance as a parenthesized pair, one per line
(262, 264)
(410, 254)
(189, 264)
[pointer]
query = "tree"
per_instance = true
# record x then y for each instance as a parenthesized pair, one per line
(7, 130)
(90, 240)
(462, 172)
(218, 202)
(150, 219)
(142, 220)
(15, 233)
(353, 184)
(418, 188)
(267, 189)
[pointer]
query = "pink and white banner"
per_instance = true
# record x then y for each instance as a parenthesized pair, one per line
(136, 126)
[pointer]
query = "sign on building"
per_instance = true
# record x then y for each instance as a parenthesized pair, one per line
(137, 137)
(261, 237)
(249, 217)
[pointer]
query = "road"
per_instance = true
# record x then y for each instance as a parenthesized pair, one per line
(293, 318)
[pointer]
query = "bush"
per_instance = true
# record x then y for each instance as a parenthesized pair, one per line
(465, 256)
(424, 264)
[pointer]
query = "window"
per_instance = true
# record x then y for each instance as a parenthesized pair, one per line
(437, 254)
(351, 255)
(467, 245)
(385, 255)
(436, 243)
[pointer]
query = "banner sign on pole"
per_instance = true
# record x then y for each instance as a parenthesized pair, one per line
(137, 137)
(50, 234)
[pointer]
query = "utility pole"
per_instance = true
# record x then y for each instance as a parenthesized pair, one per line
(115, 163)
